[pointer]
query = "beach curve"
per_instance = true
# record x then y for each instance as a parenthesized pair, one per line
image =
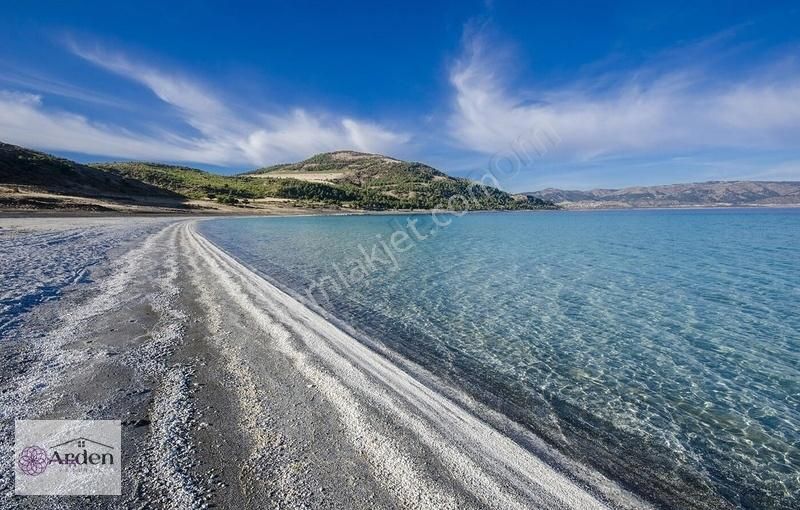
(352, 377)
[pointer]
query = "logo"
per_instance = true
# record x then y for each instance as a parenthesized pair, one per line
(33, 460)
(67, 457)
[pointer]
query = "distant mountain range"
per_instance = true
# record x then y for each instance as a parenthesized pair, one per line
(702, 194)
(344, 179)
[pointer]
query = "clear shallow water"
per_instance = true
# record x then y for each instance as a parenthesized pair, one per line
(662, 347)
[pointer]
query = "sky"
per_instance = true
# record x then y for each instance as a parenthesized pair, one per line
(564, 94)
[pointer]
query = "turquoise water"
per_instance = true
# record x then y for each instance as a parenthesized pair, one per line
(661, 347)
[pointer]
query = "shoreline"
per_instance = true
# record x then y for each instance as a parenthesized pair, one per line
(450, 398)
(623, 458)
(304, 211)
(167, 339)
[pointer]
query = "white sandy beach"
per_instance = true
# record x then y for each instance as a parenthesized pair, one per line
(233, 393)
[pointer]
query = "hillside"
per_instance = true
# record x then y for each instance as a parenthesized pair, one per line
(199, 184)
(31, 175)
(709, 194)
(382, 182)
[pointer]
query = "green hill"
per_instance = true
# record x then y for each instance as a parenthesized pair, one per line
(199, 184)
(386, 183)
(36, 171)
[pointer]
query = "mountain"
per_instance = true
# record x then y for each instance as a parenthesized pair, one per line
(712, 193)
(35, 174)
(381, 182)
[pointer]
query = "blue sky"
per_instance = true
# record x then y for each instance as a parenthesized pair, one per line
(561, 94)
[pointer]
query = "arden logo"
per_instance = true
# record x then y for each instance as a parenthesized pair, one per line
(67, 457)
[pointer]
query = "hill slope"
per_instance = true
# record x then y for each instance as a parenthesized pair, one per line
(199, 184)
(383, 182)
(36, 171)
(713, 193)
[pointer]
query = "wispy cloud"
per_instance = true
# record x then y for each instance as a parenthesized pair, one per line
(650, 110)
(18, 78)
(215, 132)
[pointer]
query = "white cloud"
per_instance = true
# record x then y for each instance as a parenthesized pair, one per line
(302, 133)
(223, 136)
(371, 137)
(24, 121)
(22, 98)
(665, 112)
